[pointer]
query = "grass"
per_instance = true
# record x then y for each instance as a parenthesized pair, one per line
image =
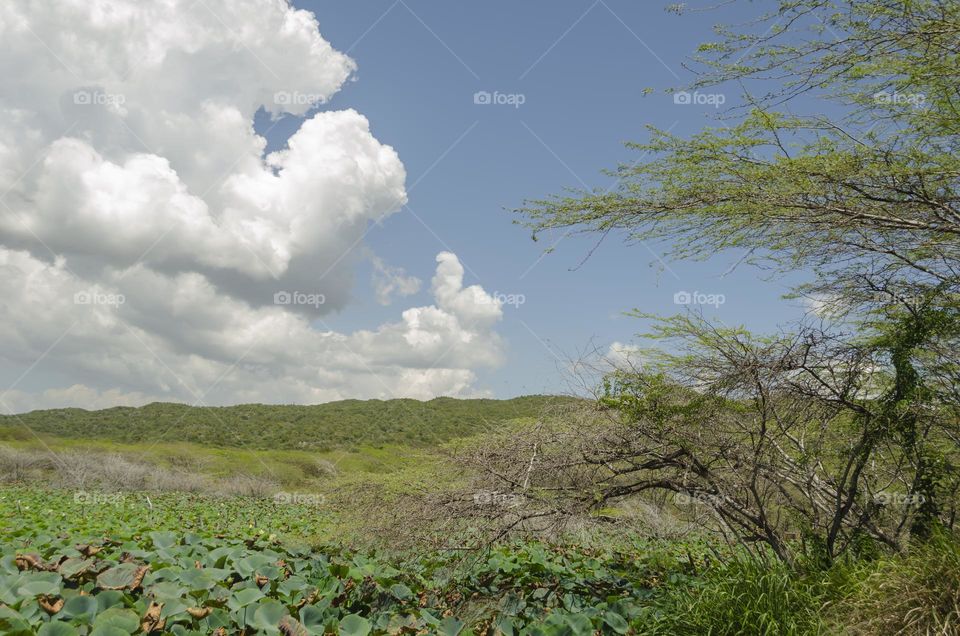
(914, 593)
(742, 596)
(289, 468)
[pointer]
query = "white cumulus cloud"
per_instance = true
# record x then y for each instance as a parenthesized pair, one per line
(391, 281)
(145, 235)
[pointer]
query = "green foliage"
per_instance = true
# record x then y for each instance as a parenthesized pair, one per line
(67, 569)
(348, 424)
(865, 204)
(867, 201)
(743, 596)
(191, 565)
(34, 513)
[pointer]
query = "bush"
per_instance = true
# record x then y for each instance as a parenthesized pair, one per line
(244, 485)
(19, 466)
(105, 471)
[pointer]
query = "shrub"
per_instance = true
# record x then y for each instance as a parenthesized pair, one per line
(248, 486)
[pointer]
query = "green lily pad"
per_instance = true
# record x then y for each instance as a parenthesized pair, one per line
(163, 540)
(119, 577)
(268, 615)
(449, 626)
(75, 566)
(313, 619)
(244, 597)
(354, 625)
(57, 628)
(122, 619)
(84, 607)
(401, 591)
(616, 622)
(37, 583)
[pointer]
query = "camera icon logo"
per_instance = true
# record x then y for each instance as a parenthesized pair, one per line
(82, 298)
(282, 298)
(682, 298)
(282, 98)
(83, 98)
(482, 97)
(683, 97)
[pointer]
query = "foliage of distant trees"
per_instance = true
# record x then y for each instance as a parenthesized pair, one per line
(335, 425)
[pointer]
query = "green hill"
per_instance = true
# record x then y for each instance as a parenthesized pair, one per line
(335, 425)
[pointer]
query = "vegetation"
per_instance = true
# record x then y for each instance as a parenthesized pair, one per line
(819, 428)
(335, 425)
(122, 566)
(193, 564)
(803, 482)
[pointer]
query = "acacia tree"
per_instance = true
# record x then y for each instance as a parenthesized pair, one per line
(780, 438)
(866, 201)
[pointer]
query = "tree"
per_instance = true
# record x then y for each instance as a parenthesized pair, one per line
(867, 203)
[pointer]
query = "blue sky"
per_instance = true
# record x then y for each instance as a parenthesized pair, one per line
(162, 193)
(582, 68)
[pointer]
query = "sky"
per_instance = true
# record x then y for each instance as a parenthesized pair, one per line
(223, 202)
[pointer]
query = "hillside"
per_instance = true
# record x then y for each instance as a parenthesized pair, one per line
(322, 427)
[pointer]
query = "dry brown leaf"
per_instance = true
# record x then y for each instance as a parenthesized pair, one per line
(138, 577)
(289, 627)
(50, 604)
(151, 620)
(88, 550)
(199, 612)
(29, 562)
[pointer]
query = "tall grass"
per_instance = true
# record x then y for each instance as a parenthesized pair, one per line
(913, 593)
(742, 596)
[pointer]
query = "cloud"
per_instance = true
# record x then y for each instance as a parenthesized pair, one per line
(624, 357)
(177, 339)
(825, 306)
(392, 281)
(473, 304)
(146, 237)
(74, 396)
